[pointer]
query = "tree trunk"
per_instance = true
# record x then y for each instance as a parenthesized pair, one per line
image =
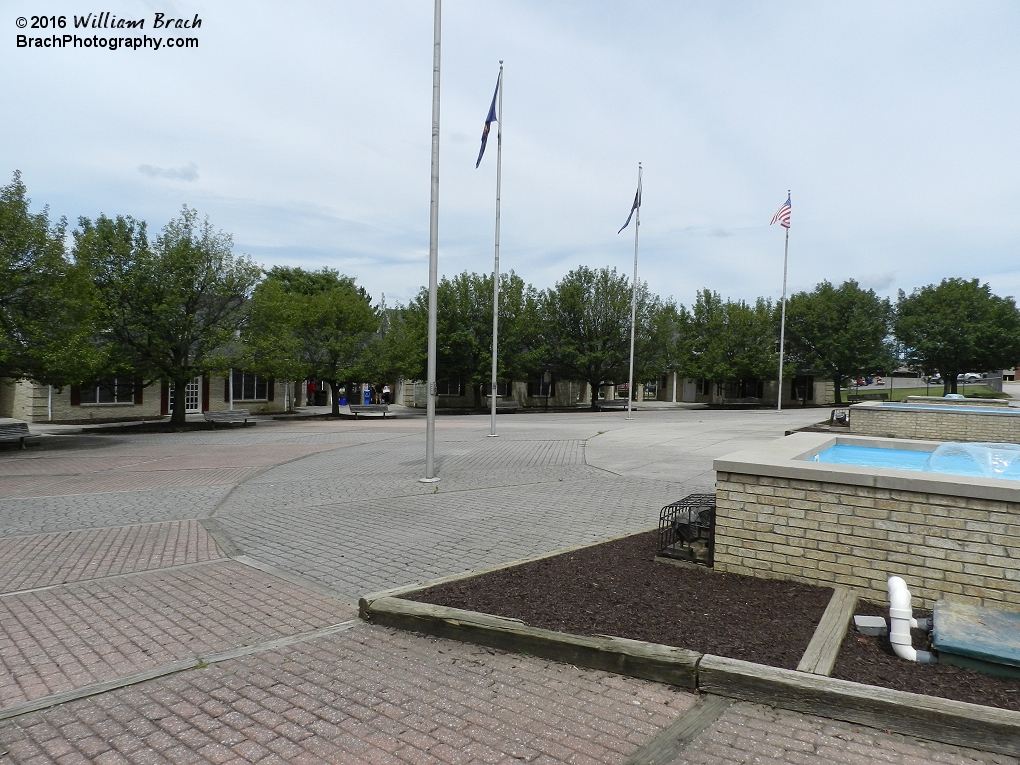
(839, 392)
(177, 417)
(594, 394)
(334, 387)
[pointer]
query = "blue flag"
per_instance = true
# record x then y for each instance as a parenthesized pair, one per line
(633, 207)
(489, 119)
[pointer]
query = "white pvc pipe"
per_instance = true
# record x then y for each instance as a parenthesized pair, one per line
(901, 619)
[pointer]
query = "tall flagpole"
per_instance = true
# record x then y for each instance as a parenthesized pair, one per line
(495, 267)
(633, 298)
(782, 324)
(430, 410)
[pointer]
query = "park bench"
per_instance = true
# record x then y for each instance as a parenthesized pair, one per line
(610, 403)
(357, 409)
(506, 406)
(16, 431)
(228, 416)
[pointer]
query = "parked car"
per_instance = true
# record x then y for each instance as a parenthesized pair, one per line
(968, 377)
(935, 379)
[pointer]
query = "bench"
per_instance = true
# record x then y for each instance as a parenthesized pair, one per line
(16, 431)
(228, 416)
(505, 406)
(611, 403)
(357, 409)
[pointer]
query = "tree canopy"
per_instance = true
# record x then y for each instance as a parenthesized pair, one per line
(47, 304)
(733, 341)
(957, 326)
(171, 310)
(313, 324)
(840, 331)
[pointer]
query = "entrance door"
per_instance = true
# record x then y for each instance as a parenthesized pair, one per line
(192, 397)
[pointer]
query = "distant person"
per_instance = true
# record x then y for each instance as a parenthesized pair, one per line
(311, 393)
(386, 394)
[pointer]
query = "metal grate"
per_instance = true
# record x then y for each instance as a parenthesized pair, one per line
(687, 529)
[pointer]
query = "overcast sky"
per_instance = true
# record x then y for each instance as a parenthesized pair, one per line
(303, 128)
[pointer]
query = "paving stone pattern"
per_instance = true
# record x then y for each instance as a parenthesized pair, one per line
(69, 636)
(81, 511)
(47, 559)
(369, 695)
(136, 585)
(749, 733)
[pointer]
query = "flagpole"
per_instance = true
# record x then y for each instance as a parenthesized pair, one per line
(495, 267)
(430, 406)
(633, 298)
(782, 324)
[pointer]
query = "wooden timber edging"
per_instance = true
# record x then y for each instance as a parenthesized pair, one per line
(952, 722)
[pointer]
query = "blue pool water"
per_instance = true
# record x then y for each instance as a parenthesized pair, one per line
(984, 460)
(870, 456)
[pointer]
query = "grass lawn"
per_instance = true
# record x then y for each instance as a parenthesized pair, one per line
(970, 390)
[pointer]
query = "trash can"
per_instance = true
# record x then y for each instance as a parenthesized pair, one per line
(368, 397)
(343, 401)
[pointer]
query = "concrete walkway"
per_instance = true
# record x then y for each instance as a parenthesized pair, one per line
(189, 597)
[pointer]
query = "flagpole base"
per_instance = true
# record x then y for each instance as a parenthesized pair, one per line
(493, 435)
(428, 480)
(628, 418)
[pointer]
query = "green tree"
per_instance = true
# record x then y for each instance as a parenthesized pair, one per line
(313, 324)
(733, 341)
(840, 331)
(957, 326)
(172, 310)
(666, 344)
(464, 330)
(47, 304)
(586, 325)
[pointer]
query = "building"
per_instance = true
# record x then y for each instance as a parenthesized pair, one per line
(120, 400)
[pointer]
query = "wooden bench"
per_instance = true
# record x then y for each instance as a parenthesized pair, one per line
(504, 406)
(16, 431)
(357, 409)
(611, 403)
(228, 416)
(855, 397)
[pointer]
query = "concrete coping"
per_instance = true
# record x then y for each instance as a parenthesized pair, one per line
(942, 406)
(942, 400)
(790, 457)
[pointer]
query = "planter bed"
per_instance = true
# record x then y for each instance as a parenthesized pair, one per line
(617, 589)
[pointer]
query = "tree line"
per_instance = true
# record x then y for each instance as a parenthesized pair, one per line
(114, 302)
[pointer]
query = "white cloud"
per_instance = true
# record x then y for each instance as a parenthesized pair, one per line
(188, 172)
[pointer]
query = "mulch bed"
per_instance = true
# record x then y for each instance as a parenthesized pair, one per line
(617, 589)
(871, 660)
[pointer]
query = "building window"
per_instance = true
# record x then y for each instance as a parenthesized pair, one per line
(802, 388)
(455, 388)
(248, 387)
(701, 387)
(114, 391)
(503, 389)
(541, 388)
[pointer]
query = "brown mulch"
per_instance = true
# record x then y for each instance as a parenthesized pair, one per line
(617, 589)
(870, 660)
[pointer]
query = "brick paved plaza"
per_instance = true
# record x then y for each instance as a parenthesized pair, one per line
(190, 597)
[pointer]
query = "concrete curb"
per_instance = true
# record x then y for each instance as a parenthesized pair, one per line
(952, 722)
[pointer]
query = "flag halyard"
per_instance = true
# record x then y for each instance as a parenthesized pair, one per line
(489, 119)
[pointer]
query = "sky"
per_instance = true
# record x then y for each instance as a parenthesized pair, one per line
(304, 130)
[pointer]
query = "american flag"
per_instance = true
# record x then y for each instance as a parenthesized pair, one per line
(782, 215)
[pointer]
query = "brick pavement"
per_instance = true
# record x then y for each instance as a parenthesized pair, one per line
(46, 559)
(344, 508)
(369, 695)
(68, 636)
